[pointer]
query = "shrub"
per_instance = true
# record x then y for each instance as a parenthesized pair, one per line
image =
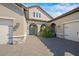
(47, 32)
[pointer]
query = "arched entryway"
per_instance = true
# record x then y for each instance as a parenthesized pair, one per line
(53, 28)
(42, 27)
(33, 29)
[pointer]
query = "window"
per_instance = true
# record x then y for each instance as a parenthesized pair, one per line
(39, 15)
(33, 14)
(36, 14)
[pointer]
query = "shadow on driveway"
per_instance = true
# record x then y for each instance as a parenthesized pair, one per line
(60, 46)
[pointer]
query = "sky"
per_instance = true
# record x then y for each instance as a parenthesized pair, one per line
(55, 9)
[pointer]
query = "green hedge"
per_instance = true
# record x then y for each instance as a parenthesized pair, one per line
(47, 32)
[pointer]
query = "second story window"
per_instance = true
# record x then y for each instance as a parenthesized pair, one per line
(36, 14)
(33, 14)
(39, 15)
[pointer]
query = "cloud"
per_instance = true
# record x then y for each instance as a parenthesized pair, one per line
(55, 9)
(59, 9)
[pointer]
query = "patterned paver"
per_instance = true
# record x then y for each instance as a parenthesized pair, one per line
(32, 47)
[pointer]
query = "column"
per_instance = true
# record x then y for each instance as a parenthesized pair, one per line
(38, 29)
(10, 35)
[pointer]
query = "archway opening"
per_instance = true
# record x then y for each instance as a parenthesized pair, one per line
(42, 27)
(53, 25)
(33, 29)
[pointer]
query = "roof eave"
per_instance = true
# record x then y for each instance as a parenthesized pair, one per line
(66, 14)
(42, 10)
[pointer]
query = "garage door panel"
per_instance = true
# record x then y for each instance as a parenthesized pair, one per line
(4, 30)
(71, 31)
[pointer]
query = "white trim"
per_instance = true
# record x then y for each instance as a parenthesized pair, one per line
(7, 18)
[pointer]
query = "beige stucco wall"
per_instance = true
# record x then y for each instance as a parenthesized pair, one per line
(16, 13)
(43, 17)
(60, 22)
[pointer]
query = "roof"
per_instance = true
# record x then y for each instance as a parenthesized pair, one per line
(53, 19)
(26, 8)
(42, 10)
(66, 14)
(22, 6)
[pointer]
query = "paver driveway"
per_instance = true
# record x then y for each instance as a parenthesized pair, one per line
(61, 47)
(32, 47)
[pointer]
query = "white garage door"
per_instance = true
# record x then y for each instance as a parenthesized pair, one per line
(4, 31)
(71, 31)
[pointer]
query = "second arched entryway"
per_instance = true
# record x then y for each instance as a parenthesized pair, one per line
(33, 29)
(53, 25)
(42, 27)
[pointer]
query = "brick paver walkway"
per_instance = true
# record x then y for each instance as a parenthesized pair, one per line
(32, 47)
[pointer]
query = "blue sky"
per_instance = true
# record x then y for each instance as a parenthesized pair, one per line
(55, 9)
